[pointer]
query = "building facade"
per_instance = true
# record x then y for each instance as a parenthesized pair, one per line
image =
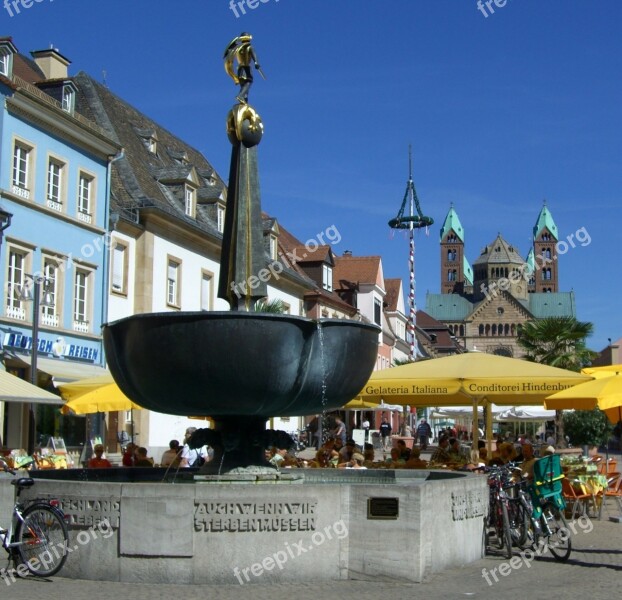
(54, 180)
(485, 306)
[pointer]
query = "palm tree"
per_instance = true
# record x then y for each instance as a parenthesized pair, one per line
(276, 307)
(557, 342)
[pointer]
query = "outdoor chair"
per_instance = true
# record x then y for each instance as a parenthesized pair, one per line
(577, 502)
(614, 490)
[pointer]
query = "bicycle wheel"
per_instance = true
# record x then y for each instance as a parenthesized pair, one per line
(507, 533)
(559, 541)
(519, 523)
(42, 538)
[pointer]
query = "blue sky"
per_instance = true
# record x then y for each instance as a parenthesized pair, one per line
(502, 111)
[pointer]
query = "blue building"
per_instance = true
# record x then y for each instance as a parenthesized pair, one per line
(55, 184)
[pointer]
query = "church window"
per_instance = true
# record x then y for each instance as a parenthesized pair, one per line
(494, 330)
(481, 330)
(461, 330)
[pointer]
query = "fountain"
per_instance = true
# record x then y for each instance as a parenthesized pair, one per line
(240, 521)
(240, 367)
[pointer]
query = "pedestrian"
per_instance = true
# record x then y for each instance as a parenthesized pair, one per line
(385, 432)
(424, 432)
(366, 426)
(340, 431)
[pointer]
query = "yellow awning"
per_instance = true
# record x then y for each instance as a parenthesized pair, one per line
(14, 389)
(95, 394)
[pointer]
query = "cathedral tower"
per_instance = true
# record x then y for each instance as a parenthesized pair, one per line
(545, 261)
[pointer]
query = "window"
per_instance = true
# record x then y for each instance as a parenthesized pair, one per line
(118, 275)
(21, 170)
(327, 277)
(68, 99)
(80, 301)
(84, 197)
(190, 201)
(55, 180)
(172, 283)
(5, 63)
(17, 265)
(273, 247)
(377, 311)
(206, 291)
(220, 218)
(49, 290)
(152, 144)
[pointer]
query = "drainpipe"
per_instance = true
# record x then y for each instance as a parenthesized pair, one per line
(106, 267)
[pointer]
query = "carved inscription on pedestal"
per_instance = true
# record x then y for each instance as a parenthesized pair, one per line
(90, 512)
(468, 505)
(254, 516)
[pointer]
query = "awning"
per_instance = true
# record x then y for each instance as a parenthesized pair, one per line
(61, 371)
(14, 389)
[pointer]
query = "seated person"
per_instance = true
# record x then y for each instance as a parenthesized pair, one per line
(129, 456)
(404, 450)
(327, 454)
(441, 454)
(345, 454)
(528, 460)
(356, 462)
(456, 456)
(97, 462)
(368, 452)
(415, 461)
(338, 444)
(278, 457)
(141, 458)
(172, 456)
(395, 460)
(507, 453)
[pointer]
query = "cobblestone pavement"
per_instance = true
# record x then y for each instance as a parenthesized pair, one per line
(593, 571)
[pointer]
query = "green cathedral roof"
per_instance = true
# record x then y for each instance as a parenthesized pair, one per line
(452, 221)
(468, 271)
(545, 219)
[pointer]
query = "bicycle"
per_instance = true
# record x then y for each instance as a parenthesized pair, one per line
(37, 537)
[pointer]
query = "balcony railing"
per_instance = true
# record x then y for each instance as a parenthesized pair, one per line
(16, 312)
(50, 320)
(20, 191)
(81, 326)
(84, 217)
(54, 205)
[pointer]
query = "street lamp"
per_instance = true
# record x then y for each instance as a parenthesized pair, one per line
(32, 293)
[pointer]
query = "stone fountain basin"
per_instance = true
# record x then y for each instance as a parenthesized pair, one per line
(238, 363)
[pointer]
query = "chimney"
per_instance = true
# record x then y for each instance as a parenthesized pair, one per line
(347, 252)
(53, 64)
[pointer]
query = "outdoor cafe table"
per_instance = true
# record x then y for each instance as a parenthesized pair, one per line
(586, 480)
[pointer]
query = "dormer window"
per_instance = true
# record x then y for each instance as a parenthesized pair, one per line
(190, 201)
(7, 50)
(69, 99)
(152, 144)
(5, 63)
(327, 277)
(273, 247)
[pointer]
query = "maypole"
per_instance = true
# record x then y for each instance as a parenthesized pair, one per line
(411, 221)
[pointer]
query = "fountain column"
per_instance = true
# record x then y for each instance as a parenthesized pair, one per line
(242, 279)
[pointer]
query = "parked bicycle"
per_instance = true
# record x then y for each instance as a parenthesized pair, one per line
(37, 536)
(528, 515)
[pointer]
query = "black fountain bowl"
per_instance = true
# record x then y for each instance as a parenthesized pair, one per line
(238, 363)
